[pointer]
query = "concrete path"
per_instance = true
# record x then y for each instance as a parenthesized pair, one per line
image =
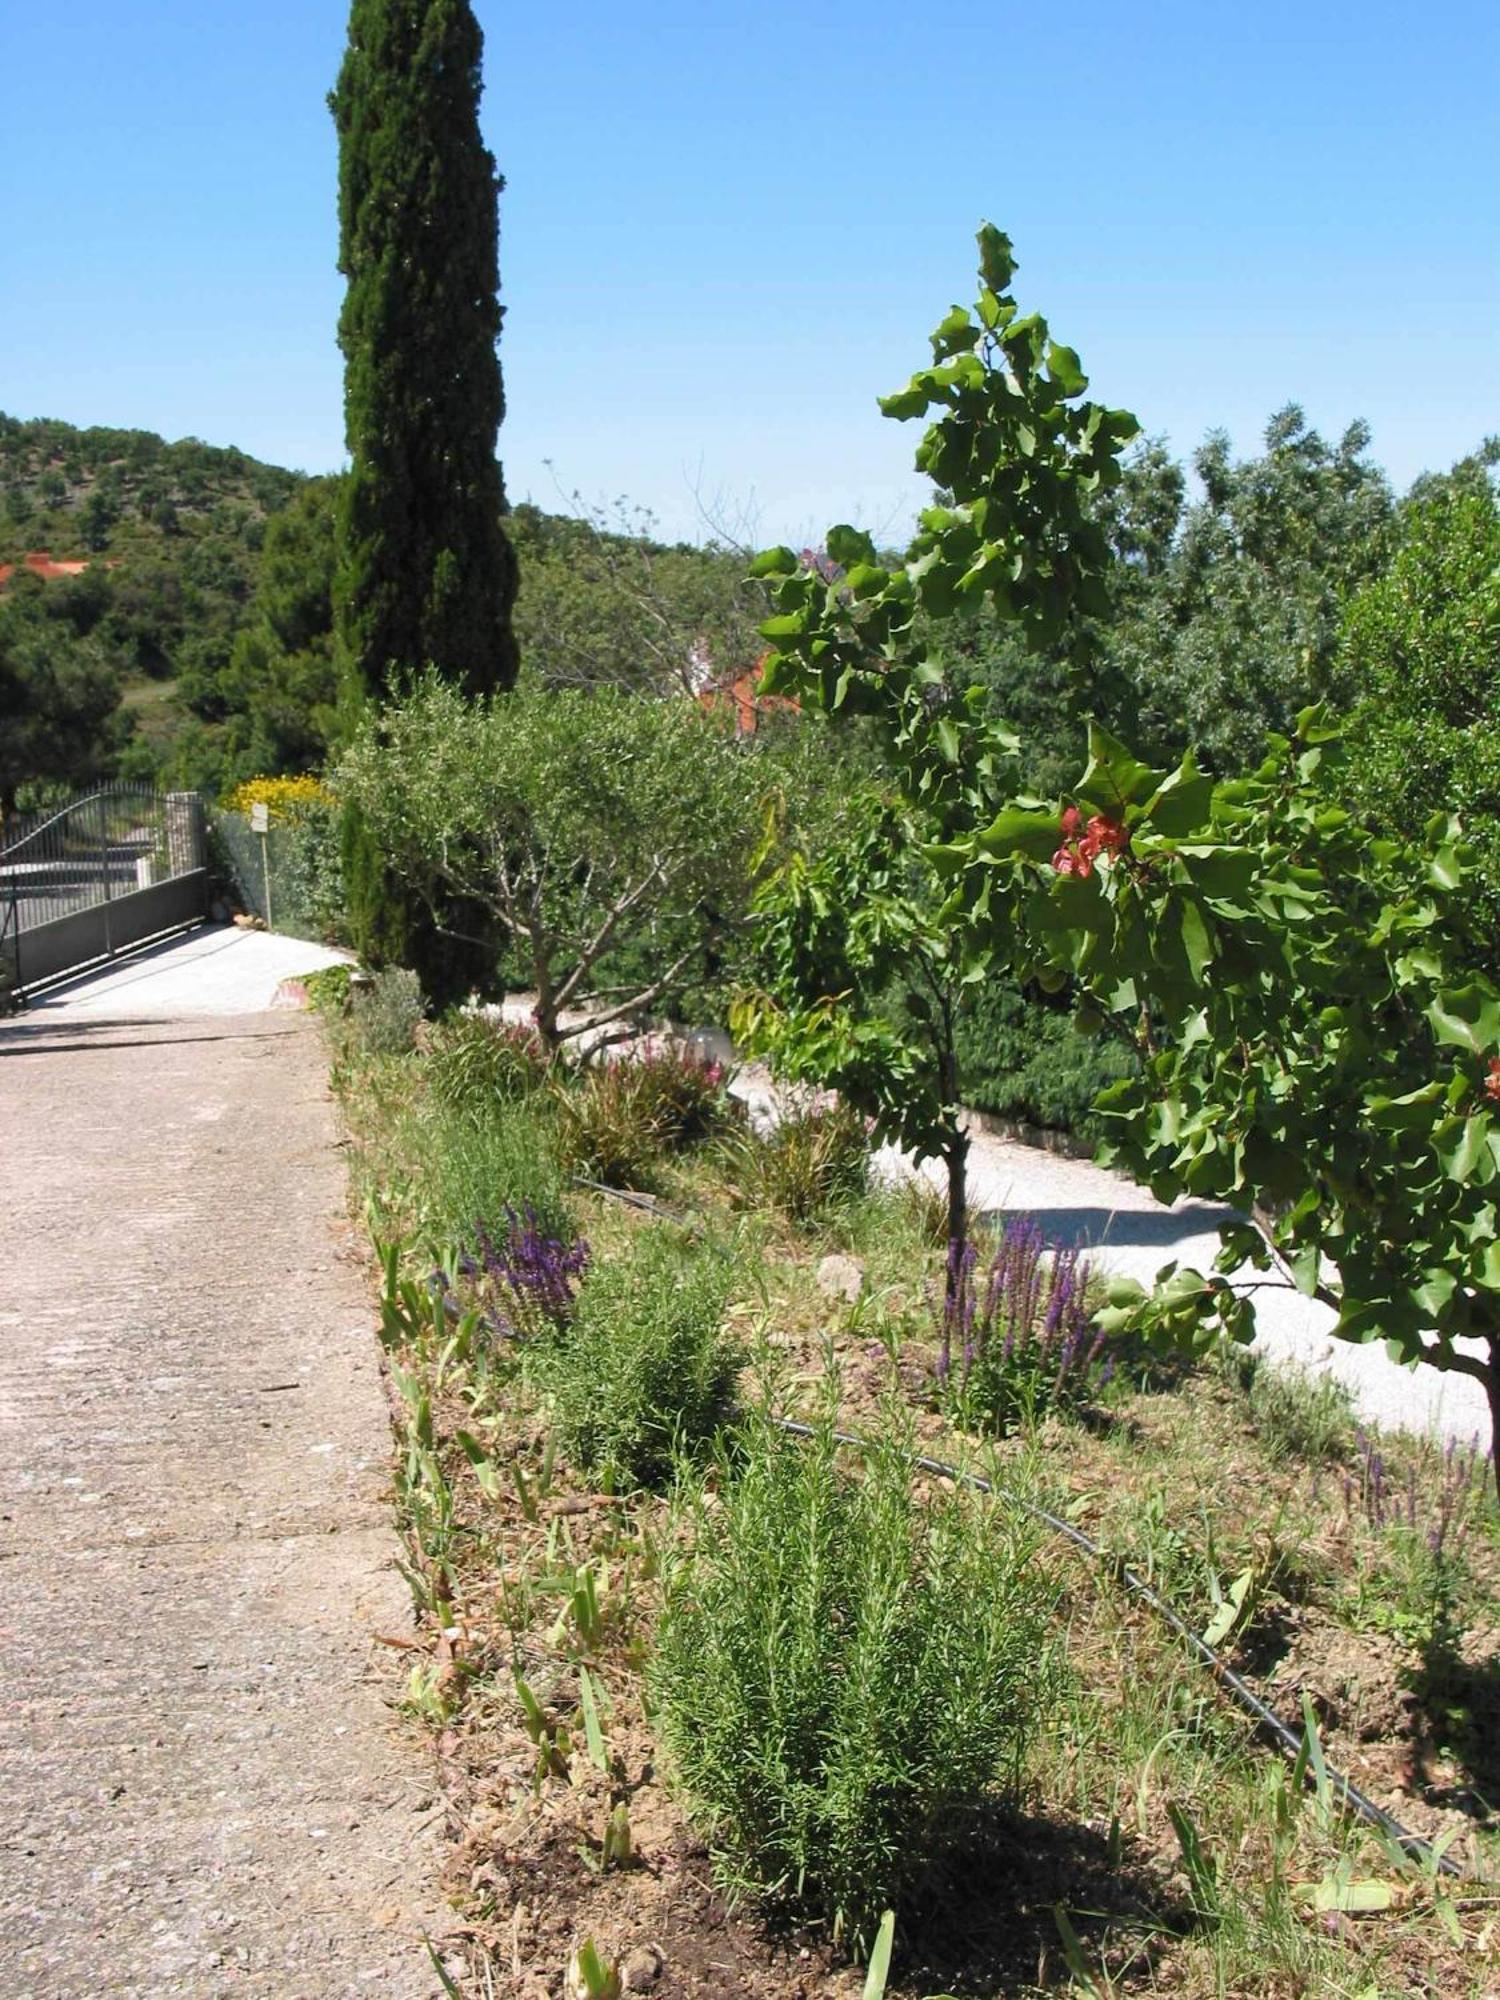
(203, 1789)
(217, 970)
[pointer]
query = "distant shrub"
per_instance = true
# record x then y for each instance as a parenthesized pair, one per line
(1020, 1057)
(645, 1373)
(845, 1677)
(1021, 1341)
(327, 989)
(815, 1161)
(383, 1015)
(474, 1059)
(685, 1092)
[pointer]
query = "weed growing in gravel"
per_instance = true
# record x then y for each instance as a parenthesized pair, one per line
(645, 1373)
(846, 1674)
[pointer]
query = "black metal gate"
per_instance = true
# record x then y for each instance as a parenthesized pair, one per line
(109, 871)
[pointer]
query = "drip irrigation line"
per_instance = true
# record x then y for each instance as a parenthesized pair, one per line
(632, 1198)
(1290, 1740)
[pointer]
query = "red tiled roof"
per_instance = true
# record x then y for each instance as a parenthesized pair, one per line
(749, 706)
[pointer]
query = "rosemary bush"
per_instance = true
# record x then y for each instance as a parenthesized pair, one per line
(846, 1676)
(479, 1167)
(645, 1372)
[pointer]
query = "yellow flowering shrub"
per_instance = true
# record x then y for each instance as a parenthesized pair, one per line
(284, 798)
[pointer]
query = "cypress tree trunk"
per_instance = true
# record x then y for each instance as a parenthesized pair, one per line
(424, 573)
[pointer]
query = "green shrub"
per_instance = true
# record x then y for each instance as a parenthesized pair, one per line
(383, 1015)
(301, 849)
(478, 1170)
(473, 1060)
(815, 1162)
(327, 989)
(846, 1677)
(1019, 1056)
(645, 1372)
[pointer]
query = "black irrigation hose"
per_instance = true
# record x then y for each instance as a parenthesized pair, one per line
(1290, 1740)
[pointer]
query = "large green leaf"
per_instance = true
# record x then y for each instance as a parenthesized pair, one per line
(1114, 778)
(1021, 830)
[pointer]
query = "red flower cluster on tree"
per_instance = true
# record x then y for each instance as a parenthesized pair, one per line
(1492, 1081)
(1082, 845)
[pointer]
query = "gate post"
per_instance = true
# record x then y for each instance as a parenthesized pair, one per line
(185, 844)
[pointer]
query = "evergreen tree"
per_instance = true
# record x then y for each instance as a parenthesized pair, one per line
(425, 573)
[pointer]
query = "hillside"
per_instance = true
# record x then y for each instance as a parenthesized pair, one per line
(173, 533)
(101, 491)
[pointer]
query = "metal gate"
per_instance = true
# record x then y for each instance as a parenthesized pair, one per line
(109, 871)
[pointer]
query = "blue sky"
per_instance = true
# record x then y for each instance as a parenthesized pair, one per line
(728, 228)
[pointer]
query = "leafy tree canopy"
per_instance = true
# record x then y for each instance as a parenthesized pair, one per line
(59, 700)
(594, 829)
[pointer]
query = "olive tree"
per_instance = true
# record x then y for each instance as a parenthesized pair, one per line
(607, 834)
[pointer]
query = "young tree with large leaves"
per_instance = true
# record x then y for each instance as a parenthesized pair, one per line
(866, 960)
(1321, 1049)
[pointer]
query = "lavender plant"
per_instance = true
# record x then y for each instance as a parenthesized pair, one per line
(1020, 1341)
(526, 1283)
(1424, 1514)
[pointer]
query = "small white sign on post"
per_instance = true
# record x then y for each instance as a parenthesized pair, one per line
(260, 822)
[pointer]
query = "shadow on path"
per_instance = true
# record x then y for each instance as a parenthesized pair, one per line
(1120, 1228)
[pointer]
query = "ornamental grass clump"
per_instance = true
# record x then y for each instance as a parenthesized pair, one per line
(620, 1118)
(847, 1675)
(473, 1061)
(813, 1164)
(1022, 1342)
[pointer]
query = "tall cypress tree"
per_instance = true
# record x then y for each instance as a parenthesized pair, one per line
(425, 573)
